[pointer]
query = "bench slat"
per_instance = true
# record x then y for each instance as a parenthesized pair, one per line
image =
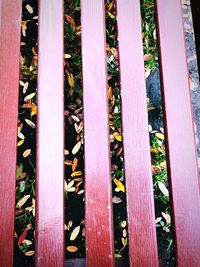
(50, 137)
(180, 135)
(99, 226)
(10, 26)
(139, 187)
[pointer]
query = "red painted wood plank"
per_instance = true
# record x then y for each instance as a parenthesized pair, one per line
(140, 203)
(10, 25)
(180, 136)
(99, 227)
(50, 137)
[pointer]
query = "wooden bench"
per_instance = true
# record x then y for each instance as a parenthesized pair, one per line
(182, 165)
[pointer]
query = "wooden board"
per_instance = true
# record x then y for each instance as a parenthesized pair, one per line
(99, 226)
(50, 137)
(10, 26)
(180, 136)
(139, 186)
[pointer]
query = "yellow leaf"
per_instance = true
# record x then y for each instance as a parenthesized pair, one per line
(20, 142)
(24, 27)
(78, 173)
(71, 79)
(33, 110)
(75, 233)
(160, 136)
(26, 153)
(111, 15)
(119, 185)
(118, 137)
(67, 56)
(72, 248)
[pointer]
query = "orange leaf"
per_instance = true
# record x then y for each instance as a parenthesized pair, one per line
(72, 248)
(74, 165)
(71, 21)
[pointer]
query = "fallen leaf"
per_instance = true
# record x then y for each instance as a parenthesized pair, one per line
(71, 79)
(76, 148)
(29, 253)
(163, 189)
(20, 142)
(119, 185)
(22, 201)
(74, 165)
(26, 153)
(75, 233)
(78, 173)
(72, 248)
(116, 200)
(71, 21)
(67, 56)
(160, 136)
(22, 237)
(19, 170)
(29, 97)
(118, 137)
(30, 123)
(29, 8)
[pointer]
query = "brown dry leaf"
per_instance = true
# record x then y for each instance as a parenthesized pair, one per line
(75, 233)
(110, 93)
(71, 79)
(30, 123)
(33, 110)
(22, 201)
(76, 148)
(71, 248)
(29, 97)
(26, 153)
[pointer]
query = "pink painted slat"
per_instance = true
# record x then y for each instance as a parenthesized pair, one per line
(50, 137)
(180, 136)
(140, 203)
(10, 25)
(99, 227)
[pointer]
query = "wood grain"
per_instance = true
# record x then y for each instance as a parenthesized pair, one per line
(10, 25)
(99, 226)
(182, 163)
(50, 137)
(139, 187)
